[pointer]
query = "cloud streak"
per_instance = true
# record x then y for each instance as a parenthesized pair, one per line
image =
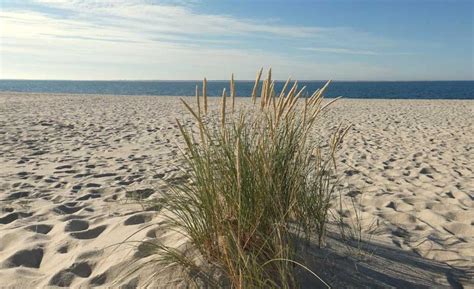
(161, 18)
(139, 39)
(351, 51)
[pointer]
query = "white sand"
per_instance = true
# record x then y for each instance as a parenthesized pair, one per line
(67, 162)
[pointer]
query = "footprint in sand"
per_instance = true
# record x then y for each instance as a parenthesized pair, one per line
(40, 228)
(66, 209)
(16, 196)
(76, 188)
(89, 196)
(14, 216)
(98, 280)
(146, 249)
(140, 194)
(138, 219)
(7, 209)
(93, 185)
(89, 234)
(76, 225)
(27, 258)
(63, 167)
(104, 175)
(82, 269)
(64, 278)
(63, 249)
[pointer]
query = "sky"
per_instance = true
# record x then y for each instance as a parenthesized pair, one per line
(191, 39)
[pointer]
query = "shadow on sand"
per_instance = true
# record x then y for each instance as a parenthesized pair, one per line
(382, 266)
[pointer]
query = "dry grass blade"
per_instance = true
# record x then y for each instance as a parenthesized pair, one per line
(232, 92)
(295, 99)
(268, 87)
(223, 108)
(283, 90)
(188, 107)
(287, 99)
(263, 93)
(202, 128)
(255, 86)
(198, 101)
(323, 89)
(204, 94)
(330, 102)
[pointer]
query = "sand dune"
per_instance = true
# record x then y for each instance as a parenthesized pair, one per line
(75, 167)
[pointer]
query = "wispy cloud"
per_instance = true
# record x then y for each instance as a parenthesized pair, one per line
(160, 18)
(340, 50)
(138, 39)
(351, 51)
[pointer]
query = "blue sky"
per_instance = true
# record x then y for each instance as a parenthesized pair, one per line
(190, 39)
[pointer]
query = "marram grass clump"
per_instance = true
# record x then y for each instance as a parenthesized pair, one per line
(257, 186)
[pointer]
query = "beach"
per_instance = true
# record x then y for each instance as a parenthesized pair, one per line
(76, 169)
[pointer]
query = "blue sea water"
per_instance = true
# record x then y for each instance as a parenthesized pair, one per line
(348, 89)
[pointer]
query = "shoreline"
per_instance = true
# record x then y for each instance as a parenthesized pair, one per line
(10, 93)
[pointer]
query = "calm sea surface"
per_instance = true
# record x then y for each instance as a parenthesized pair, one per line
(349, 89)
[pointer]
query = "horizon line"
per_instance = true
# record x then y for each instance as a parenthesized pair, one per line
(236, 80)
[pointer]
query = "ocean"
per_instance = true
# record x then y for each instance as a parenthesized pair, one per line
(347, 89)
